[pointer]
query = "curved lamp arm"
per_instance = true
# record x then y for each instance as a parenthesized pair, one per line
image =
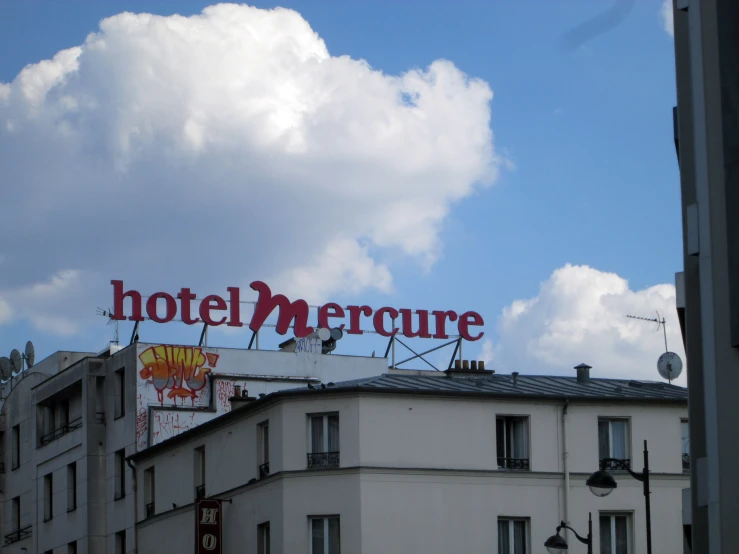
(620, 464)
(562, 525)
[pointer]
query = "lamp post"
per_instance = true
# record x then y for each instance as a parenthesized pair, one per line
(557, 545)
(602, 483)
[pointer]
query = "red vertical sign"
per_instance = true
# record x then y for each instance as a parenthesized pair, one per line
(208, 527)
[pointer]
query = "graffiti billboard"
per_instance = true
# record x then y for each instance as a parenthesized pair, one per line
(180, 387)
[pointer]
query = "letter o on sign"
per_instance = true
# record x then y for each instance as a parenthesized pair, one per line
(210, 542)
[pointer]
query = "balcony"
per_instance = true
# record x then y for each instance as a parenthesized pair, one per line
(686, 463)
(513, 463)
(16, 536)
(61, 431)
(323, 460)
(615, 465)
(150, 510)
(199, 492)
(264, 470)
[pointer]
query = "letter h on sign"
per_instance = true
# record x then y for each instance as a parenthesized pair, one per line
(208, 527)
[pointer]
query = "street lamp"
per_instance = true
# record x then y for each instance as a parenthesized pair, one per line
(602, 483)
(557, 545)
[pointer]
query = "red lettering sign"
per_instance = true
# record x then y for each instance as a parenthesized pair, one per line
(214, 310)
(208, 527)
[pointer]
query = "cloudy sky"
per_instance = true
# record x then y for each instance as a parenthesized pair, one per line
(512, 158)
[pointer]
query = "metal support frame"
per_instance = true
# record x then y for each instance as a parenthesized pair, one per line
(204, 335)
(589, 540)
(135, 332)
(253, 336)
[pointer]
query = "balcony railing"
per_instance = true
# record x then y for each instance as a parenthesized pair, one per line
(150, 510)
(264, 470)
(513, 463)
(15, 536)
(614, 464)
(61, 431)
(686, 463)
(199, 492)
(323, 460)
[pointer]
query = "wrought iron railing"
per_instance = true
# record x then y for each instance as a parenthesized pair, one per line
(200, 491)
(20, 534)
(323, 460)
(149, 510)
(61, 431)
(264, 470)
(686, 463)
(612, 464)
(513, 463)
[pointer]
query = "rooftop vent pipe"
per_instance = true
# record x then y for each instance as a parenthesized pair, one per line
(583, 373)
(515, 378)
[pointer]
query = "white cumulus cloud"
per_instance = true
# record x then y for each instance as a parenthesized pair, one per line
(667, 17)
(212, 150)
(579, 315)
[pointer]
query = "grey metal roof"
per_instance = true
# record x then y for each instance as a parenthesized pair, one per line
(541, 386)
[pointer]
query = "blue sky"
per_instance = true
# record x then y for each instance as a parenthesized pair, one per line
(591, 179)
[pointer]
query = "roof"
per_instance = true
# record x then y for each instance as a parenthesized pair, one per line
(538, 386)
(461, 384)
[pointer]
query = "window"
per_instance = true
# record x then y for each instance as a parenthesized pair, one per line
(149, 488)
(324, 441)
(200, 472)
(512, 535)
(325, 535)
(263, 449)
(120, 393)
(72, 548)
(120, 542)
(120, 474)
(16, 447)
(613, 442)
(71, 487)
(48, 496)
(614, 533)
(512, 437)
(685, 435)
(263, 546)
(16, 515)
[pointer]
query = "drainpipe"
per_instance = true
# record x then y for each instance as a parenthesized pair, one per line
(135, 504)
(565, 456)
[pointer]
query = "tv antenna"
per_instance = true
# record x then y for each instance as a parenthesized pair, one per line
(109, 314)
(669, 364)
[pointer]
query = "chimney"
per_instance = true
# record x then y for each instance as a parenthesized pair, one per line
(515, 378)
(583, 373)
(240, 398)
(481, 365)
(473, 365)
(457, 364)
(466, 365)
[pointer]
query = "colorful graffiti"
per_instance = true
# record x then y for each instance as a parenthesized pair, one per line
(181, 370)
(167, 425)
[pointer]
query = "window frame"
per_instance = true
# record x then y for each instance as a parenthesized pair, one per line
(629, 516)
(627, 438)
(199, 470)
(15, 515)
(120, 542)
(120, 474)
(119, 382)
(264, 538)
(508, 420)
(511, 541)
(326, 535)
(48, 497)
(71, 487)
(685, 425)
(15, 447)
(150, 492)
(263, 469)
(325, 417)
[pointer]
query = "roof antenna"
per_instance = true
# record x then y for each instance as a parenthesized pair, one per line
(109, 314)
(669, 364)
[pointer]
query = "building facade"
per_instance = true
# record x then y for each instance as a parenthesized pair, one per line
(423, 462)
(70, 423)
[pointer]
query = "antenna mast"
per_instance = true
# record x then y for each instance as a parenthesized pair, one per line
(659, 320)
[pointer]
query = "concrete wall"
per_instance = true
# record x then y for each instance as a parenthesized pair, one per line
(418, 474)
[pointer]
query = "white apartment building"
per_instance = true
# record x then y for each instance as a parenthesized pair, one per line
(69, 424)
(462, 461)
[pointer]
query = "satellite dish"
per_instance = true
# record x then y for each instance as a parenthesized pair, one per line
(30, 354)
(669, 365)
(16, 361)
(5, 368)
(336, 333)
(324, 334)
